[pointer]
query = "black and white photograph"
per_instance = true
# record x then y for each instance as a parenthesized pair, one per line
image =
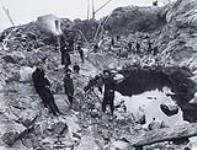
(98, 74)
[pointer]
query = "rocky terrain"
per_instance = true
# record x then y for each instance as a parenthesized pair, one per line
(26, 124)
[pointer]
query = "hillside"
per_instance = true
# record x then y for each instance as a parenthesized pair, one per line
(26, 124)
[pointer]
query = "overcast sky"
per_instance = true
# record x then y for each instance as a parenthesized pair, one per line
(24, 11)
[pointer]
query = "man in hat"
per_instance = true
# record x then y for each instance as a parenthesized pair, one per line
(64, 49)
(41, 84)
(109, 91)
(76, 68)
(69, 86)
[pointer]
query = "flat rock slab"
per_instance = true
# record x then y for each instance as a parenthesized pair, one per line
(166, 134)
(87, 143)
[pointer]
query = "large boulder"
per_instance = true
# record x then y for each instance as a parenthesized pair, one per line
(51, 23)
(153, 125)
(169, 109)
(15, 57)
(12, 74)
(11, 131)
(9, 59)
(37, 57)
(26, 73)
(140, 116)
(51, 127)
(118, 78)
(59, 128)
(124, 119)
(27, 117)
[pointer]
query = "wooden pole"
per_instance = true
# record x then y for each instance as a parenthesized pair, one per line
(8, 15)
(105, 4)
(97, 31)
(81, 33)
(97, 10)
(101, 27)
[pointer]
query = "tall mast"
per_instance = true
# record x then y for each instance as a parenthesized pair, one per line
(88, 10)
(93, 12)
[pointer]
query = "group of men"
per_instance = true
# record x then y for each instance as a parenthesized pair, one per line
(137, 50)
(42, 84)
(42, 87)
(133, 47)
(66, 47)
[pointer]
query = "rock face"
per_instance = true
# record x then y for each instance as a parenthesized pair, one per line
(181, 26)
(172, 29)
(125, 20)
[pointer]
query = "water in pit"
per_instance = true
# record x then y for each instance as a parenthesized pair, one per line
(140, 84)
(150, 102)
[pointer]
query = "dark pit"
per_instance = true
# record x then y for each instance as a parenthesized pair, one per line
(142, 79)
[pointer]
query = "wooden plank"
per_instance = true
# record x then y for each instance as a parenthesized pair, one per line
(165, 134)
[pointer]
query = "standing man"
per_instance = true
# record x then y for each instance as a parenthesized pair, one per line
(155, 3)
(96, 48)
(69, 86)
(117, 38)
(155, 51)
(112, 42)
(138, 48)
(129, 47)
(81, 53)
(71, 43)
(41, 84)
(67, 60)
(109, 91)
(149, 47)
(64, 48)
